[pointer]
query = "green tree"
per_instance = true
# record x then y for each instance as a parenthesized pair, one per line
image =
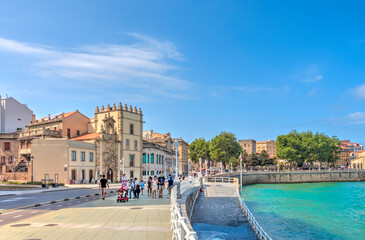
(199, 148)
(224, 146)
(304, 147)
(265, 159)
(254, 159)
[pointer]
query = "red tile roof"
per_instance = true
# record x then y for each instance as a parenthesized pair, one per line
(87, 136)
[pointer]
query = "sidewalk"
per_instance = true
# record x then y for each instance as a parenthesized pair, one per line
(67, 187)
(139, 219)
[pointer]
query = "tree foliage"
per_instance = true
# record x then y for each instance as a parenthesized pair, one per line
(199, 148)
(296, 147)
(265, 159)
(224, 146)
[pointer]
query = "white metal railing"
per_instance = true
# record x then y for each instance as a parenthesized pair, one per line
(252, 220)
(189, 183)
(178, 222)
(220, 179)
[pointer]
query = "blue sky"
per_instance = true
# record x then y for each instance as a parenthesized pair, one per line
(256, 68)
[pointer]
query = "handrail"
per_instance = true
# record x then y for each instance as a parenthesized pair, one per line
(252, 220)
(178, 222)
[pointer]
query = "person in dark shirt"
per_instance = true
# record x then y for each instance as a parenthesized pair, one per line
(102, 185)
(161, 184)
(171, 184)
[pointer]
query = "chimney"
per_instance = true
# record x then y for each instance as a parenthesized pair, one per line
(33, 117)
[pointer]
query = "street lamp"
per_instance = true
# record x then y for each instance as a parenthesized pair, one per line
(32, 159)
(176, 145)
(200, 166)
(147, 158)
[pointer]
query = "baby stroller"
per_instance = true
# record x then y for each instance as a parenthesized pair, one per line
(122, 194)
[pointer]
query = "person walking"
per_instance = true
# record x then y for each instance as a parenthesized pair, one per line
(161, 185)
(149, 186)
(133, 185)
(154, 187)
(142, 186)
(170, 184)
(137, 189)
(102, 185)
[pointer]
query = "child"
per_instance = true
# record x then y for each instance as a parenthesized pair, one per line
(142, 186)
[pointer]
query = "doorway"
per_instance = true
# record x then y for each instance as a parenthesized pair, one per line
(73, 176)
(110, 174)
(90, 175)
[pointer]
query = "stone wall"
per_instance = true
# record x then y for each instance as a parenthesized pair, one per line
(187, 202)
(301, 177)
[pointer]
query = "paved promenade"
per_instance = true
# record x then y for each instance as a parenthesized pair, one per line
(218, 205)
(140, 219)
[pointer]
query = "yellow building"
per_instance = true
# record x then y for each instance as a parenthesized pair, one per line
(359, 162)
(269, 146)
(117, 133)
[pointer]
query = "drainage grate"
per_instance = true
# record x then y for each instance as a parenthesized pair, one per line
(135, 208)
(51, 225)
(20, 225)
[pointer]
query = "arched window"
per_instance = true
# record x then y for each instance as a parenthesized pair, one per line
(144, 158)
(152, 158)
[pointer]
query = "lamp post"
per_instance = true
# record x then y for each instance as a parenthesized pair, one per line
(32, 159)
(176, 145)
(206, 167)
(147, 158)
(200, 166)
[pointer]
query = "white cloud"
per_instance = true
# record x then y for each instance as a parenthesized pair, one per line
(311, 74)
(147, 64)
(313, 79)
(360, 91)
(254, 89)
(351, 119)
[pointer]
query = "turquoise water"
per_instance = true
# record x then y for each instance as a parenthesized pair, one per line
(309, 210)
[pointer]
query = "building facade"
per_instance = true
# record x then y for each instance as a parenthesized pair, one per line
(157, 159)
(249, 145)
(359, 162)
(269, 146)
(348, 152)
(9, 150)
(14, 116)
(117, 134)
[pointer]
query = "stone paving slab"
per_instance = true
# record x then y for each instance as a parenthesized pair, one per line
(139, 219)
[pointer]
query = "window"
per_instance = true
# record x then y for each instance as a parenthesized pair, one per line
(131, 174)
(22, 145)
(7, 146)
(152, 158)
(29, 144)
(83, 156)
(55, 128)
(144, 173)
(2, 160)
(68, 133)
(78, 132)
(135, 145)
(91, 157)
(10, 160)
(144, 158)
(131, 160)
(73, 155)
(127, 143)
(131, 129)
(152, 172)
(157, 158)
(162, 160)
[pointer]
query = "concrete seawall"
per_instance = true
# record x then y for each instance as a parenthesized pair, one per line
(299, 177)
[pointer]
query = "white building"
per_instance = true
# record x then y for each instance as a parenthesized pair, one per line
(14, 116)
(157, 159)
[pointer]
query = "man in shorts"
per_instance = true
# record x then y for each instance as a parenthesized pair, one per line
(102, 185)
(161, 184)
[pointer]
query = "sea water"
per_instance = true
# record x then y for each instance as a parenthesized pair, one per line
(309, 210)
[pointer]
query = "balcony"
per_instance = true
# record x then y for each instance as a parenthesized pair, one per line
(25, 151)
(40, 133)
